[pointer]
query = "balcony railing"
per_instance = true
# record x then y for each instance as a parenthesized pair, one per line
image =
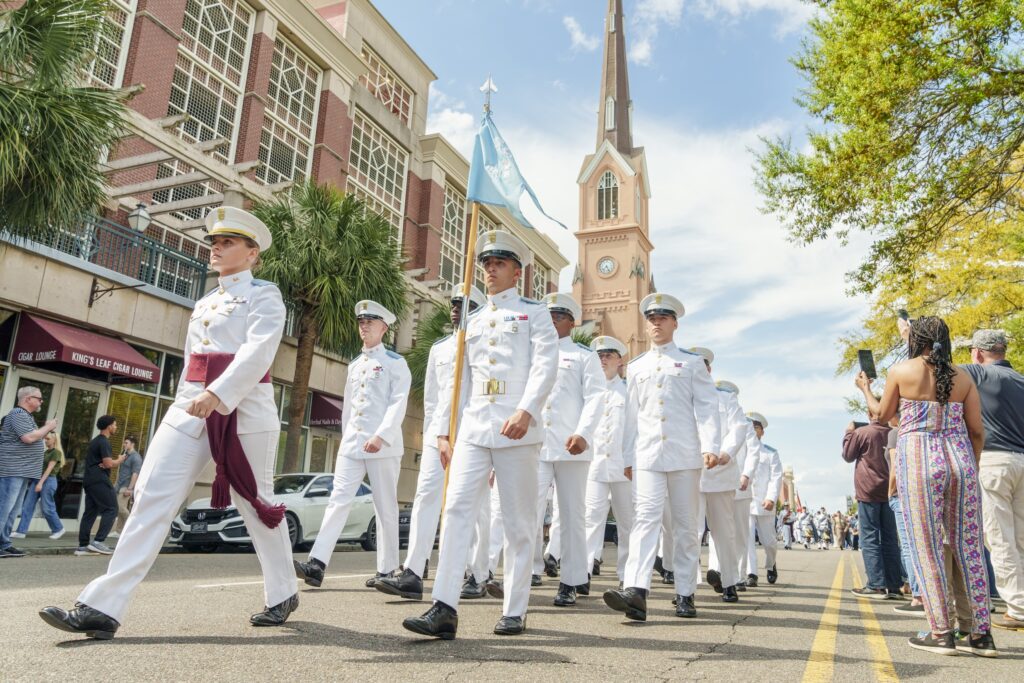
(136, 255)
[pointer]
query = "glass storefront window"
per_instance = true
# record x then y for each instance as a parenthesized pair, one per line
(161, 409)
(76, 430)
(46, 389)
(172, 375)
(282, 439)
(134, 414)
(3, 378)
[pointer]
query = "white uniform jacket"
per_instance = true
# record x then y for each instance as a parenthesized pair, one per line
(437, 386)
(608, 463)
(767, 479)
(734, 433)
(747, 460)
(511, 362)
(574, 403)
(376, 394)
(671, 411)
(243, 316)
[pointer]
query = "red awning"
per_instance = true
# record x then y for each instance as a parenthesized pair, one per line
(325, 411)
(45, 341)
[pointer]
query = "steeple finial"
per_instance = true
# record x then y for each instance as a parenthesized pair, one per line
(614, 112)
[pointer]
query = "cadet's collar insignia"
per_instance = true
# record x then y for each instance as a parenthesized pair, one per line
(234, 279)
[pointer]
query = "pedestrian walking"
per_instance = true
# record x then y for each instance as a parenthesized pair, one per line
(127, 477)
(42, 490)
(21, 460)
(100, 496)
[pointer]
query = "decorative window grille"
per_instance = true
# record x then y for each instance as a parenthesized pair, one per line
(541, 276)
(107, 69)
(386, 86)
(394, 219)
(200, 189)
(209, 71)
(453, 237)
(286, 141)
(608, 197)
(378, 168)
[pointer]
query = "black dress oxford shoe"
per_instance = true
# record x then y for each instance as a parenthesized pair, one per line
(471, 590)
(311, 572)
(406, 585)
(81, 619)
(729, 595)
(276, 615)
(597, 568)
(715, 580)
(659, 567)
(773, 574)
(669, 578)
(372, 581)
(426, 570)
(550, 565)
(584, 588)
(741, 587)
(632, 601)
(685, 607)
(535, 580)
(510, 626)
(440, 621)
(495, 588)
(751, 580)
(566, 596)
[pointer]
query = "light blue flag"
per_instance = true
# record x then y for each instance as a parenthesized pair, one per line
(494, 176)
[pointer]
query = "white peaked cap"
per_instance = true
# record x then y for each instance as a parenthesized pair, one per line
(372, 309)
(608, 344)
(504, 244)
(475, 295)
(228, 221)
(662, 303)
(557, 301)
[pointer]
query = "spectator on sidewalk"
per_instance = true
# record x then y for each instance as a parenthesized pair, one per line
(43, 489)
(127, 475)
(916, 604)
(100, 496)
(21, 460)
(785, 523)
(1001, 389)
(853, 532)
(866, 448)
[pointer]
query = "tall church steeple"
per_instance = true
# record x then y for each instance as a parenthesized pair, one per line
(615, 107)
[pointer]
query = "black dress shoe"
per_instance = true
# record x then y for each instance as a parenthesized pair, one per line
(406, 585)
(741, 587)
(584, 588)
(495, 589)
(632, 601)
(535, 580)
(510, 626)
(81, 619)
(597, 568)
(715, 580)
(659, 567)
(773, 574)
(566, 596)
(372, 581)
(276, 615)
(729, 595)
(751, 580)
(550, 565)
(440, 621)
(471, 590)
(311, 572)
(669, 578)
(426, 570)
(685, 607)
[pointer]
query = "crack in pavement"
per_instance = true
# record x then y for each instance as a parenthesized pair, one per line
(732, 632)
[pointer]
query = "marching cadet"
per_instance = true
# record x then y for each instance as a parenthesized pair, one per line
(224, 409)
(611, 475)
(767, 482)
(376, 393)
(570, 417)
(512, 360)
(672, 427)
(426, 508)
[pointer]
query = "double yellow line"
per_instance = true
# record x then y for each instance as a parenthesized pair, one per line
(821, 660)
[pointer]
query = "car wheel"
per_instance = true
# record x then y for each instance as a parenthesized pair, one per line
(200, 547)
(369, 541)
(294, 530)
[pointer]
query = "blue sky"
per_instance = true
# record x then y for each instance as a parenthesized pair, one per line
(708, 78)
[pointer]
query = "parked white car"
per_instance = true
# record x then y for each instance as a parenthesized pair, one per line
(201, 528)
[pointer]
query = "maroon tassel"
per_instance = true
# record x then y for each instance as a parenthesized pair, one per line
(270, 515)
(221, 497)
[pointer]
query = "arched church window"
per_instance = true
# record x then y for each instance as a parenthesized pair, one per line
(608, 197)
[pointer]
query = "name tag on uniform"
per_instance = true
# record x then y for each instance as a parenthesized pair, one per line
(679, 365)
(518, 317)
(238, 300)
(377, 371)
(565, 363)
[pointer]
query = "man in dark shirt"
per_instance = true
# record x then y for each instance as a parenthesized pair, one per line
(866, 447)
(100, 496)
(1002, 467)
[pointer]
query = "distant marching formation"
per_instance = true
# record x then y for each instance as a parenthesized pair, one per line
(666, 448)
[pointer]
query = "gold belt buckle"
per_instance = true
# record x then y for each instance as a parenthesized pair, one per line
(494, 387)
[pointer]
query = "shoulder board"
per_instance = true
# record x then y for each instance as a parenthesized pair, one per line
(442, 339)
(531, 301)
(583, 346)
(263, 283)
(392, 354)
(638, 358)
(768, 448)
(690, 353)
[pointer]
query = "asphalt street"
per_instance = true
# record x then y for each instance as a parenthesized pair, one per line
(189, 621)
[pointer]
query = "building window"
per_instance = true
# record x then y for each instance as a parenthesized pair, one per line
(609, 114)
(453, 237)
(541, 277)
(639, 206)
(608, 197)
(286, 141)
(386, 86)
(209, 71)
(107, 68)
(378, 168)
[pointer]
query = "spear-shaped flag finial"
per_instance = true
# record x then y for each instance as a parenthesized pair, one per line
(487, 88)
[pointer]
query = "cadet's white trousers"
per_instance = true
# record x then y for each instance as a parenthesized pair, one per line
(619, 495)
(497, 533)
(173, 463)
(680, 491)
(666, 542)
(480, 552)
(740, 511)
(515, 470)
(723, 550)
(765, 526)
(348, 475)
(570, 479)
(426, 510)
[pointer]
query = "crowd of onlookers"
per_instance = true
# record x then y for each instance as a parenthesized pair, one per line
(819, 529)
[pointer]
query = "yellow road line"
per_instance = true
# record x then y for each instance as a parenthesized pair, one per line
(882, 663)
(820, 660)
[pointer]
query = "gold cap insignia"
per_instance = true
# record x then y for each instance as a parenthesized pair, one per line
(492, 237)
(657, 299)
(220, 214)
(366, 306)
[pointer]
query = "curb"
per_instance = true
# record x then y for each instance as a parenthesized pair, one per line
(46, 552)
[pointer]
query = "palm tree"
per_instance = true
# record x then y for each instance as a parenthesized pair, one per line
(329, 253)
(52, 127)
(431, 328)
(582, 336)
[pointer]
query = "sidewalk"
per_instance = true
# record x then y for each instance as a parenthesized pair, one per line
(38, 543)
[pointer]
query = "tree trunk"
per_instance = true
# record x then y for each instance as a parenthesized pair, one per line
(308, 335)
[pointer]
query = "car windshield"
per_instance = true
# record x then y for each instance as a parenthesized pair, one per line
(291, 483)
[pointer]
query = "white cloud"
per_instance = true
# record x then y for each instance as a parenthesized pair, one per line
(580, 40)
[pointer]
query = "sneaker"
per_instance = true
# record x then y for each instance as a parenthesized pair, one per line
(11, 551)
(1009, 623)
(873, 593)
(57, 534)
(909, 608)
(100, 548)
(84, 550)
(941, 645)
(17, 534)
(981, 644)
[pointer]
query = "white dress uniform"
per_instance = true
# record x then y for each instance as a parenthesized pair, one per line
(376, 393)
(245, 317)
(572, 408)
(671, 419)
(437, 389)
(511, 363)
(766, 485)
(746, 463)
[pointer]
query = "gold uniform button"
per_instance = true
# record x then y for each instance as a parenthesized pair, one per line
(492, 361)
(491, 342)
(220, 291)
(213, 306)
(493, 307)
(206, 341)
(492, 399)
(493, 323)
(659, 385)
(664, 438)
(206, 323)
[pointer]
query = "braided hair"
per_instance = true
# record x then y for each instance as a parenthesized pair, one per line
(930, 334)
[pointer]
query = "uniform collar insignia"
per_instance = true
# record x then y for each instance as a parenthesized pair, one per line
(245, 277)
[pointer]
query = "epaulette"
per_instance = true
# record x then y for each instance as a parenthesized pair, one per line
(637, 358)
(530, 301)
(263, 283)
(444, 338)
(768, 448)
(392, 354)
(690, 353)
(583, 346)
